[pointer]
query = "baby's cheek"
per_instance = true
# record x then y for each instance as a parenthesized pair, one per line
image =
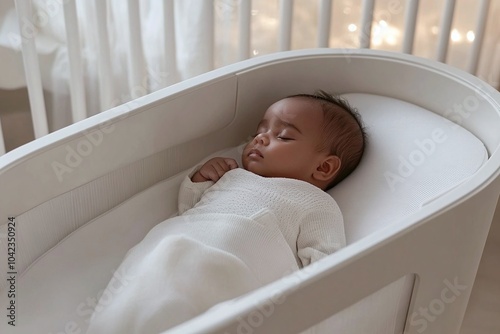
(244, 162)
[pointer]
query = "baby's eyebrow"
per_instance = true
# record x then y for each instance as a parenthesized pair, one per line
(265, 122)
(290, 125)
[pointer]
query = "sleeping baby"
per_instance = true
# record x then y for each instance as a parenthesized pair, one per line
(304, 145)
(241, 227)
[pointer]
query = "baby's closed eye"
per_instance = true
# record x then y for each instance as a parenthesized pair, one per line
(285, 135)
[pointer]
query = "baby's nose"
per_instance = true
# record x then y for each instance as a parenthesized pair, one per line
(262, 139)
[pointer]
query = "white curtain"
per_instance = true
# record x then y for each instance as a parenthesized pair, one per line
(192, 44)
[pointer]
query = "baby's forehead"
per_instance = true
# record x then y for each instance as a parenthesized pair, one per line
(303, 100)
(298, 111)
(293, 106)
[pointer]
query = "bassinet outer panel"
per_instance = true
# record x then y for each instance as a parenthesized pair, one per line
(427, 243)
(441, 244)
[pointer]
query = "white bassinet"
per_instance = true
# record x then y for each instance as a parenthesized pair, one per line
(417, 210)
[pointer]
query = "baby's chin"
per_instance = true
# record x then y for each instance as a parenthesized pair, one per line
(259, 168)
(250, 166)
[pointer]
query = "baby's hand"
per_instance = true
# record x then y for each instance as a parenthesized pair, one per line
(213, 169)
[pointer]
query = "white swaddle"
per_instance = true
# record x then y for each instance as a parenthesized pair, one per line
(172, 276)
(189, 263)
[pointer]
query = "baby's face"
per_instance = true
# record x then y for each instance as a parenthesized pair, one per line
(287, 140)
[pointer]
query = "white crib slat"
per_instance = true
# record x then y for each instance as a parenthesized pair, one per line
(137, 80)
(478, 37)
(170, 50)
(106, 90)
(32, 67)
(444, 36)
(366, 23)
(77, 85)
(410, 23)
(495, 68)
(210, 36)
(245, 23)
(2, 142)
(325, 13)
(285, 32)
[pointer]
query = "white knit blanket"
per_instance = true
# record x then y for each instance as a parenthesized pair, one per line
(176, 273)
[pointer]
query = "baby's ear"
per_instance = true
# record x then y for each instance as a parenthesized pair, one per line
(328, 168)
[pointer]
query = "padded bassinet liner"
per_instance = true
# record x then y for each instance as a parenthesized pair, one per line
(412, 158)
(61, 288)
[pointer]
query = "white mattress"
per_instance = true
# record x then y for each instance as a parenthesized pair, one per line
(58, 292)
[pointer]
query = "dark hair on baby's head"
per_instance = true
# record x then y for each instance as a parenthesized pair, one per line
(343, 133)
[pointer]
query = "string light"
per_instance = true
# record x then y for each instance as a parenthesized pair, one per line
(470, 36)
(383, 32)
(456, 36)
(391, 40)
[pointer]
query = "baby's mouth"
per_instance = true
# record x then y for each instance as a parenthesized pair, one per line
(255, 153)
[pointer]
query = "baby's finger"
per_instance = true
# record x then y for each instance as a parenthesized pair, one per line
(231, 163)
(211, 173)
(220, 167)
